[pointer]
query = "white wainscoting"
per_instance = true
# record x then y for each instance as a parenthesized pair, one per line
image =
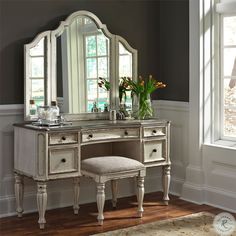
(177, 113)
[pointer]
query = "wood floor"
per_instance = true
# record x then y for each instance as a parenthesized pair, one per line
(64, 222)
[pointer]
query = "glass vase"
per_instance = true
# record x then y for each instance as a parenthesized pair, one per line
(145, 107)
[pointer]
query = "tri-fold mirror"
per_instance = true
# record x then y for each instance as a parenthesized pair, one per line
(80, 65)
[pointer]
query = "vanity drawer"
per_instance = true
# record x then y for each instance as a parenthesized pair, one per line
(154, 131)
(63, 160)
(63, 138)
(154, 151)
(108, 134)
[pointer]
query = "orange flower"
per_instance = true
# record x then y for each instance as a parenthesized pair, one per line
(142, 83)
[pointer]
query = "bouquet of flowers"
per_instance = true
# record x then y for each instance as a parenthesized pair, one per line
(123, 87)
(142, 89)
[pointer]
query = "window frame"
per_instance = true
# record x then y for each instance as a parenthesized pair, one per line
(222, 47)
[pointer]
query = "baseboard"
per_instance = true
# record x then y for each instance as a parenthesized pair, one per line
(193, 193)
(220, 198)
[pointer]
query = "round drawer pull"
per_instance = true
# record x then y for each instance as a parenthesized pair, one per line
(126, 132)
(90, 135)
(154, 150)
(63, 160)
(63, 138)
(154, 131)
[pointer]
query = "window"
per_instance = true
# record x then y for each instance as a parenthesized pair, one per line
(37, 73)
(96, 65)
(228, 77)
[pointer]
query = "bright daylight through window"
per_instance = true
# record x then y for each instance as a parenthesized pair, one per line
(228, 75)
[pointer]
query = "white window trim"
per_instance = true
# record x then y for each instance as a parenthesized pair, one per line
(206, 98)
(222, 77)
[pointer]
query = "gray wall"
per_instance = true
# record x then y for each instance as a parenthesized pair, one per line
(158, 29)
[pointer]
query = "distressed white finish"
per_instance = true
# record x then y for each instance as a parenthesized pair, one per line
(76, 195)
(140, 195)
(109, 133)
(19, 192)
(100, 201)
(42, 203)
(47, 153)
(101, 179)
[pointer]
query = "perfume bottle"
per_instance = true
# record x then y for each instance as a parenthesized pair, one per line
(54, 110)
(33, 108)
(94, 108)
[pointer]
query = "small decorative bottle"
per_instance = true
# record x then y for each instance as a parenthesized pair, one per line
(33, 108)
(55, 110)
(105, 107)
(94, 108)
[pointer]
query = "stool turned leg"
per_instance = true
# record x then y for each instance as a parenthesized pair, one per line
(76, 195)
(166, 183)
(140, 195)
(100, 201)
(114, 184)
(42, 203)
(19, 192)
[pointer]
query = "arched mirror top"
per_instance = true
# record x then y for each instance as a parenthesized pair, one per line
(78, 14)
(73, 59)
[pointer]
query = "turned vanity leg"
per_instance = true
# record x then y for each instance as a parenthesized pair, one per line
(42, 203)
(19, 193)
(76, 195)
(114, 187)
(140, 195)
(100, 201)
(166, 183)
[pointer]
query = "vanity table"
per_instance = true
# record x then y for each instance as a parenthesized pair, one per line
(65, 65)
(45, 154)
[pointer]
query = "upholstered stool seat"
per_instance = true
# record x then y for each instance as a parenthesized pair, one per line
(105, 168)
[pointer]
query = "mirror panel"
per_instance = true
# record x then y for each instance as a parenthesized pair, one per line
(66, 65)
(83, 55)
(35, 74)
(127, 69)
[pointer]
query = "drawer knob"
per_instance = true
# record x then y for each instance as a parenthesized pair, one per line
(126, 132)
(154, 131)
(63, 138)
(90, 135)
(154, 150)
(63, 160)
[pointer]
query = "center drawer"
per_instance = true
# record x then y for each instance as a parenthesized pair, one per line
(109, 134)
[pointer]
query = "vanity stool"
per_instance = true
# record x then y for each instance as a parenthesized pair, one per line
(105, 168)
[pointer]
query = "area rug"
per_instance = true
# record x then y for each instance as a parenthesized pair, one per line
(195, 224)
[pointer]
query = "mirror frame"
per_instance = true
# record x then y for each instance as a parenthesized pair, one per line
(50, 93)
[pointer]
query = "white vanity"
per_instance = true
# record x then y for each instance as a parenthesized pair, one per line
(65, 65)
(55, 153)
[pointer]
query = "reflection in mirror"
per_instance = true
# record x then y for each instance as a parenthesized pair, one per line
(36, 73)
(125, 70)
(82, 57)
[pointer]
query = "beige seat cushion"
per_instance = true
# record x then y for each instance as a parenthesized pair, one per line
(110, 164)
